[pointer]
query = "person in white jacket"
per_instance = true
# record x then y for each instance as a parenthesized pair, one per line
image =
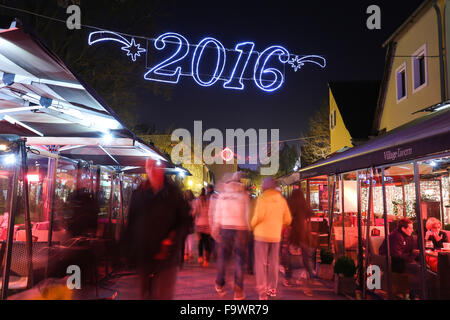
(230, 229)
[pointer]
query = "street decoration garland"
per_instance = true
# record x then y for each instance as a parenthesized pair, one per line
(268, 67)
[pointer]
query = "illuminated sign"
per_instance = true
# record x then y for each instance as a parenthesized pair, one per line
(267, 72)
(227, 154)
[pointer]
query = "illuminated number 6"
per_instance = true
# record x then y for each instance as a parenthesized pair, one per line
(260, 68)
(158, 72)
(221, 57)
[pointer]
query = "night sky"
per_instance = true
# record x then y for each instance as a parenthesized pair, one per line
(335, 29)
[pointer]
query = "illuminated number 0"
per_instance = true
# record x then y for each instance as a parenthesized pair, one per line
(260, 68)
(220, 63)
(157, 73)
(239, 68)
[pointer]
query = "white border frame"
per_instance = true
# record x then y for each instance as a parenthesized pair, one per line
(422, 51)
(401, 68)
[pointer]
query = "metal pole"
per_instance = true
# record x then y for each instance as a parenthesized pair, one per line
(122, 218)
(420, 231)
(78, 175)
(308, 196)
(369, 210)
(331, 212)
(51, 180)
(28, 234)
(91, 187)
(386, 237)
(343, 213)
(10, 233)
(51, 176)
(97, 182)
(109, 235)
(441, 216)
(111, 204)
(404, 199)
(360, 241)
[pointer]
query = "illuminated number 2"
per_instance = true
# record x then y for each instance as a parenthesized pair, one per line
(158, 72)
(239, 68)
(220, 62)
(260, 68)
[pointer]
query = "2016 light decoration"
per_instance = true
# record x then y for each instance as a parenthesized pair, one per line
(265, 77)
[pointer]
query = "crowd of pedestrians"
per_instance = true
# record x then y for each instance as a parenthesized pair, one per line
(227, 224)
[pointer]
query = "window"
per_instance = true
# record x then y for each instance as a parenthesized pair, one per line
(401, 83)
(333, 119)
(419, 65)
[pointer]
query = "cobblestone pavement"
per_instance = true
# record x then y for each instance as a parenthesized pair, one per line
(197, 283)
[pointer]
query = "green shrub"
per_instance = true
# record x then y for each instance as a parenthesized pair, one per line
(326, 256)
(447, 227)
(345, 266)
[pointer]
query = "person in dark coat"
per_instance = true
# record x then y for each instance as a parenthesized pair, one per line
(84, 209)
(403, 251)
(158, 220)
(298, 234)
(402, 246)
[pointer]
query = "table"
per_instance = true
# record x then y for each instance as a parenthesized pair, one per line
(443, 271)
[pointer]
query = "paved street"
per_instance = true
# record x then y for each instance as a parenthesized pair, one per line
(197, 283)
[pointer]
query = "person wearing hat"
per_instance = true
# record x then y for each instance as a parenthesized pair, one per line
(271, 215)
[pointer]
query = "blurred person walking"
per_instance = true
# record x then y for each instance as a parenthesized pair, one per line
(271, 214)
(211, 196)
(158, 220)
(298, 235)
(187, 251)
(201, 208)
(251, 240)
(230, 228)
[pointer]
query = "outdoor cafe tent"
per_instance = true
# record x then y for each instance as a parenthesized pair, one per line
(425, 138)
(46, 109)
(54, 107)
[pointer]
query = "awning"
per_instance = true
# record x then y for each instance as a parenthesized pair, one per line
(425, 136)
(42, 100)
(289, 179)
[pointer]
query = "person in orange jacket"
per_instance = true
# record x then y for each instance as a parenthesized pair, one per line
(271, 214)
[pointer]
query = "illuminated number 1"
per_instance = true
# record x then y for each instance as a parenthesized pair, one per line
(260, 68)
(220, 63)
(239, 68)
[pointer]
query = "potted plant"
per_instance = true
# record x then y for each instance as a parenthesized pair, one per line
(326, 265)
(344, 281)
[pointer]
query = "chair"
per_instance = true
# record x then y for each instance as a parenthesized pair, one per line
(19, 263)
(400, 281)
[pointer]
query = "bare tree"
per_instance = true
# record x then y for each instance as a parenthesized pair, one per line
(317, 140)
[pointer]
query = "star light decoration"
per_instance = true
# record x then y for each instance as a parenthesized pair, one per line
(296, 63)
(133, 49)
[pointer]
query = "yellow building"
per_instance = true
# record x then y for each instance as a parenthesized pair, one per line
(416, 67)
(352, 107)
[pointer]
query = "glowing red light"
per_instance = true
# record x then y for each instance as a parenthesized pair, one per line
(227, 154)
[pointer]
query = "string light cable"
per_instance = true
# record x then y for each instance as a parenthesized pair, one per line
(117, 32)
